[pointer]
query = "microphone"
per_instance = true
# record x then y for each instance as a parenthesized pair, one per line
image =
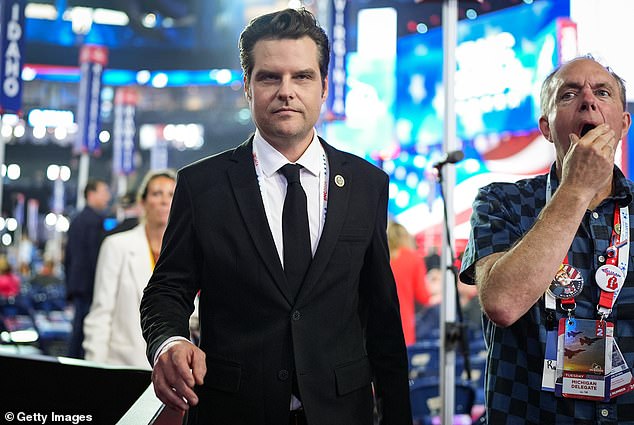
(449, 158)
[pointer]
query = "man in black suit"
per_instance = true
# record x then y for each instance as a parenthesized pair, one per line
(85, 235)
(279, 344)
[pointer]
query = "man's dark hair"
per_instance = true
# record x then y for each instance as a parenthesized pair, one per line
(287, 23)
(91, 186)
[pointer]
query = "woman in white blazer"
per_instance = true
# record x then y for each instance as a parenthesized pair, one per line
(112, 330)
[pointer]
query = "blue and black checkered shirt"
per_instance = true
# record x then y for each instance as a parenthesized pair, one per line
(502, 214)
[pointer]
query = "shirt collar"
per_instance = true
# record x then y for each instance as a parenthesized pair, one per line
(272, 160)
(622, 190)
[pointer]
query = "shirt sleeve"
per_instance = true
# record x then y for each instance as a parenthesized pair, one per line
(496, 224)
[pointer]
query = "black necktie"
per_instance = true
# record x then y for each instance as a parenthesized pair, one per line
(295, 233)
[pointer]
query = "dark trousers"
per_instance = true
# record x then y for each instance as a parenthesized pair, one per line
(82, 307)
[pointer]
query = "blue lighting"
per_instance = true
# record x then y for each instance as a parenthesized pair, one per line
(124, 77)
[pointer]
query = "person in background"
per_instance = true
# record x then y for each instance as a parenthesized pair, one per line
(434, 279)
(112, 332)
(428, 316)
(84, 238)
(9, 281)
(576, 219)
(128, 212)
(25, 256)
(46, 275)
(409, 273)
(299, 321)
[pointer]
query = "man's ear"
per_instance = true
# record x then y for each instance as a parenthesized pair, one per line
(247, 88)
(324, 89)
(544, 127)
(627, 121)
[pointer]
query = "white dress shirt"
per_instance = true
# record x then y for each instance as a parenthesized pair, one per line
(314, 180)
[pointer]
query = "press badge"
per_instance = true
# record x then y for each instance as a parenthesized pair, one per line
(550, 361)
(586, 358)
(620, 380)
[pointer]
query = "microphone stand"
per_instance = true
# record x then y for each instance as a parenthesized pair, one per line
(455, 332)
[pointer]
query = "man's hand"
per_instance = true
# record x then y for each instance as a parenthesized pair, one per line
(588, 165)
(178, 368)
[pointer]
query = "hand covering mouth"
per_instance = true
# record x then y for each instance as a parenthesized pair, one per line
(586, 127)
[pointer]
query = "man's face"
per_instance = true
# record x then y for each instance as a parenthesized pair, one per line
(285, 92)
(100, 198)
(585, 95)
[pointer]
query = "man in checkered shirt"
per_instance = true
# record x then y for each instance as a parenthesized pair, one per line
(519, 240)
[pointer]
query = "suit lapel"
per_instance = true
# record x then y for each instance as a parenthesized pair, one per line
(246, 189)
(338, 197)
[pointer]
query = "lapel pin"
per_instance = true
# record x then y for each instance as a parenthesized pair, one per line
(339, 181)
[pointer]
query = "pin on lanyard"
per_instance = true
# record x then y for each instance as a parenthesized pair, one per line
(567, 283)
(610, 277)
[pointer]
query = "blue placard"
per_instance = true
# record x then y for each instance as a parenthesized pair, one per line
(123, 138)
(92, 62)
(336, 101)
(12, 34)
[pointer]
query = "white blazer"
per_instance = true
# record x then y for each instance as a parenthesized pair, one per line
(112, 329)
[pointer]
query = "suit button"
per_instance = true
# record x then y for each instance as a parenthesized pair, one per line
(296, 315)
(282, 375)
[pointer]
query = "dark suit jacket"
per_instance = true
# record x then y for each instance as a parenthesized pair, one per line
(85, 234)
(342, 332)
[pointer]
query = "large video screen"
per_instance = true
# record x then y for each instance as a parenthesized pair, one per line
(502, 59)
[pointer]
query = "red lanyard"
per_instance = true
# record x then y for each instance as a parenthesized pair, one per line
(608, 275)
(611, 276)
(567, 304)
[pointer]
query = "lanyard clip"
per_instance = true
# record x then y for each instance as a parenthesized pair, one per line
(603, 312)
(569, 306)
(611, 251)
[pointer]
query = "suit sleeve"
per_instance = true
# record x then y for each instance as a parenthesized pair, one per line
(385, 341)
(168, 300)
(98, 322)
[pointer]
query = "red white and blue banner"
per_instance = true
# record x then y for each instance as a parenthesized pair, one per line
(125, 102)
(12, 39)
(336, 102)
(92, 60)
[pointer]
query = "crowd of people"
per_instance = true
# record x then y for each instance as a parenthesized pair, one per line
(102, 275)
